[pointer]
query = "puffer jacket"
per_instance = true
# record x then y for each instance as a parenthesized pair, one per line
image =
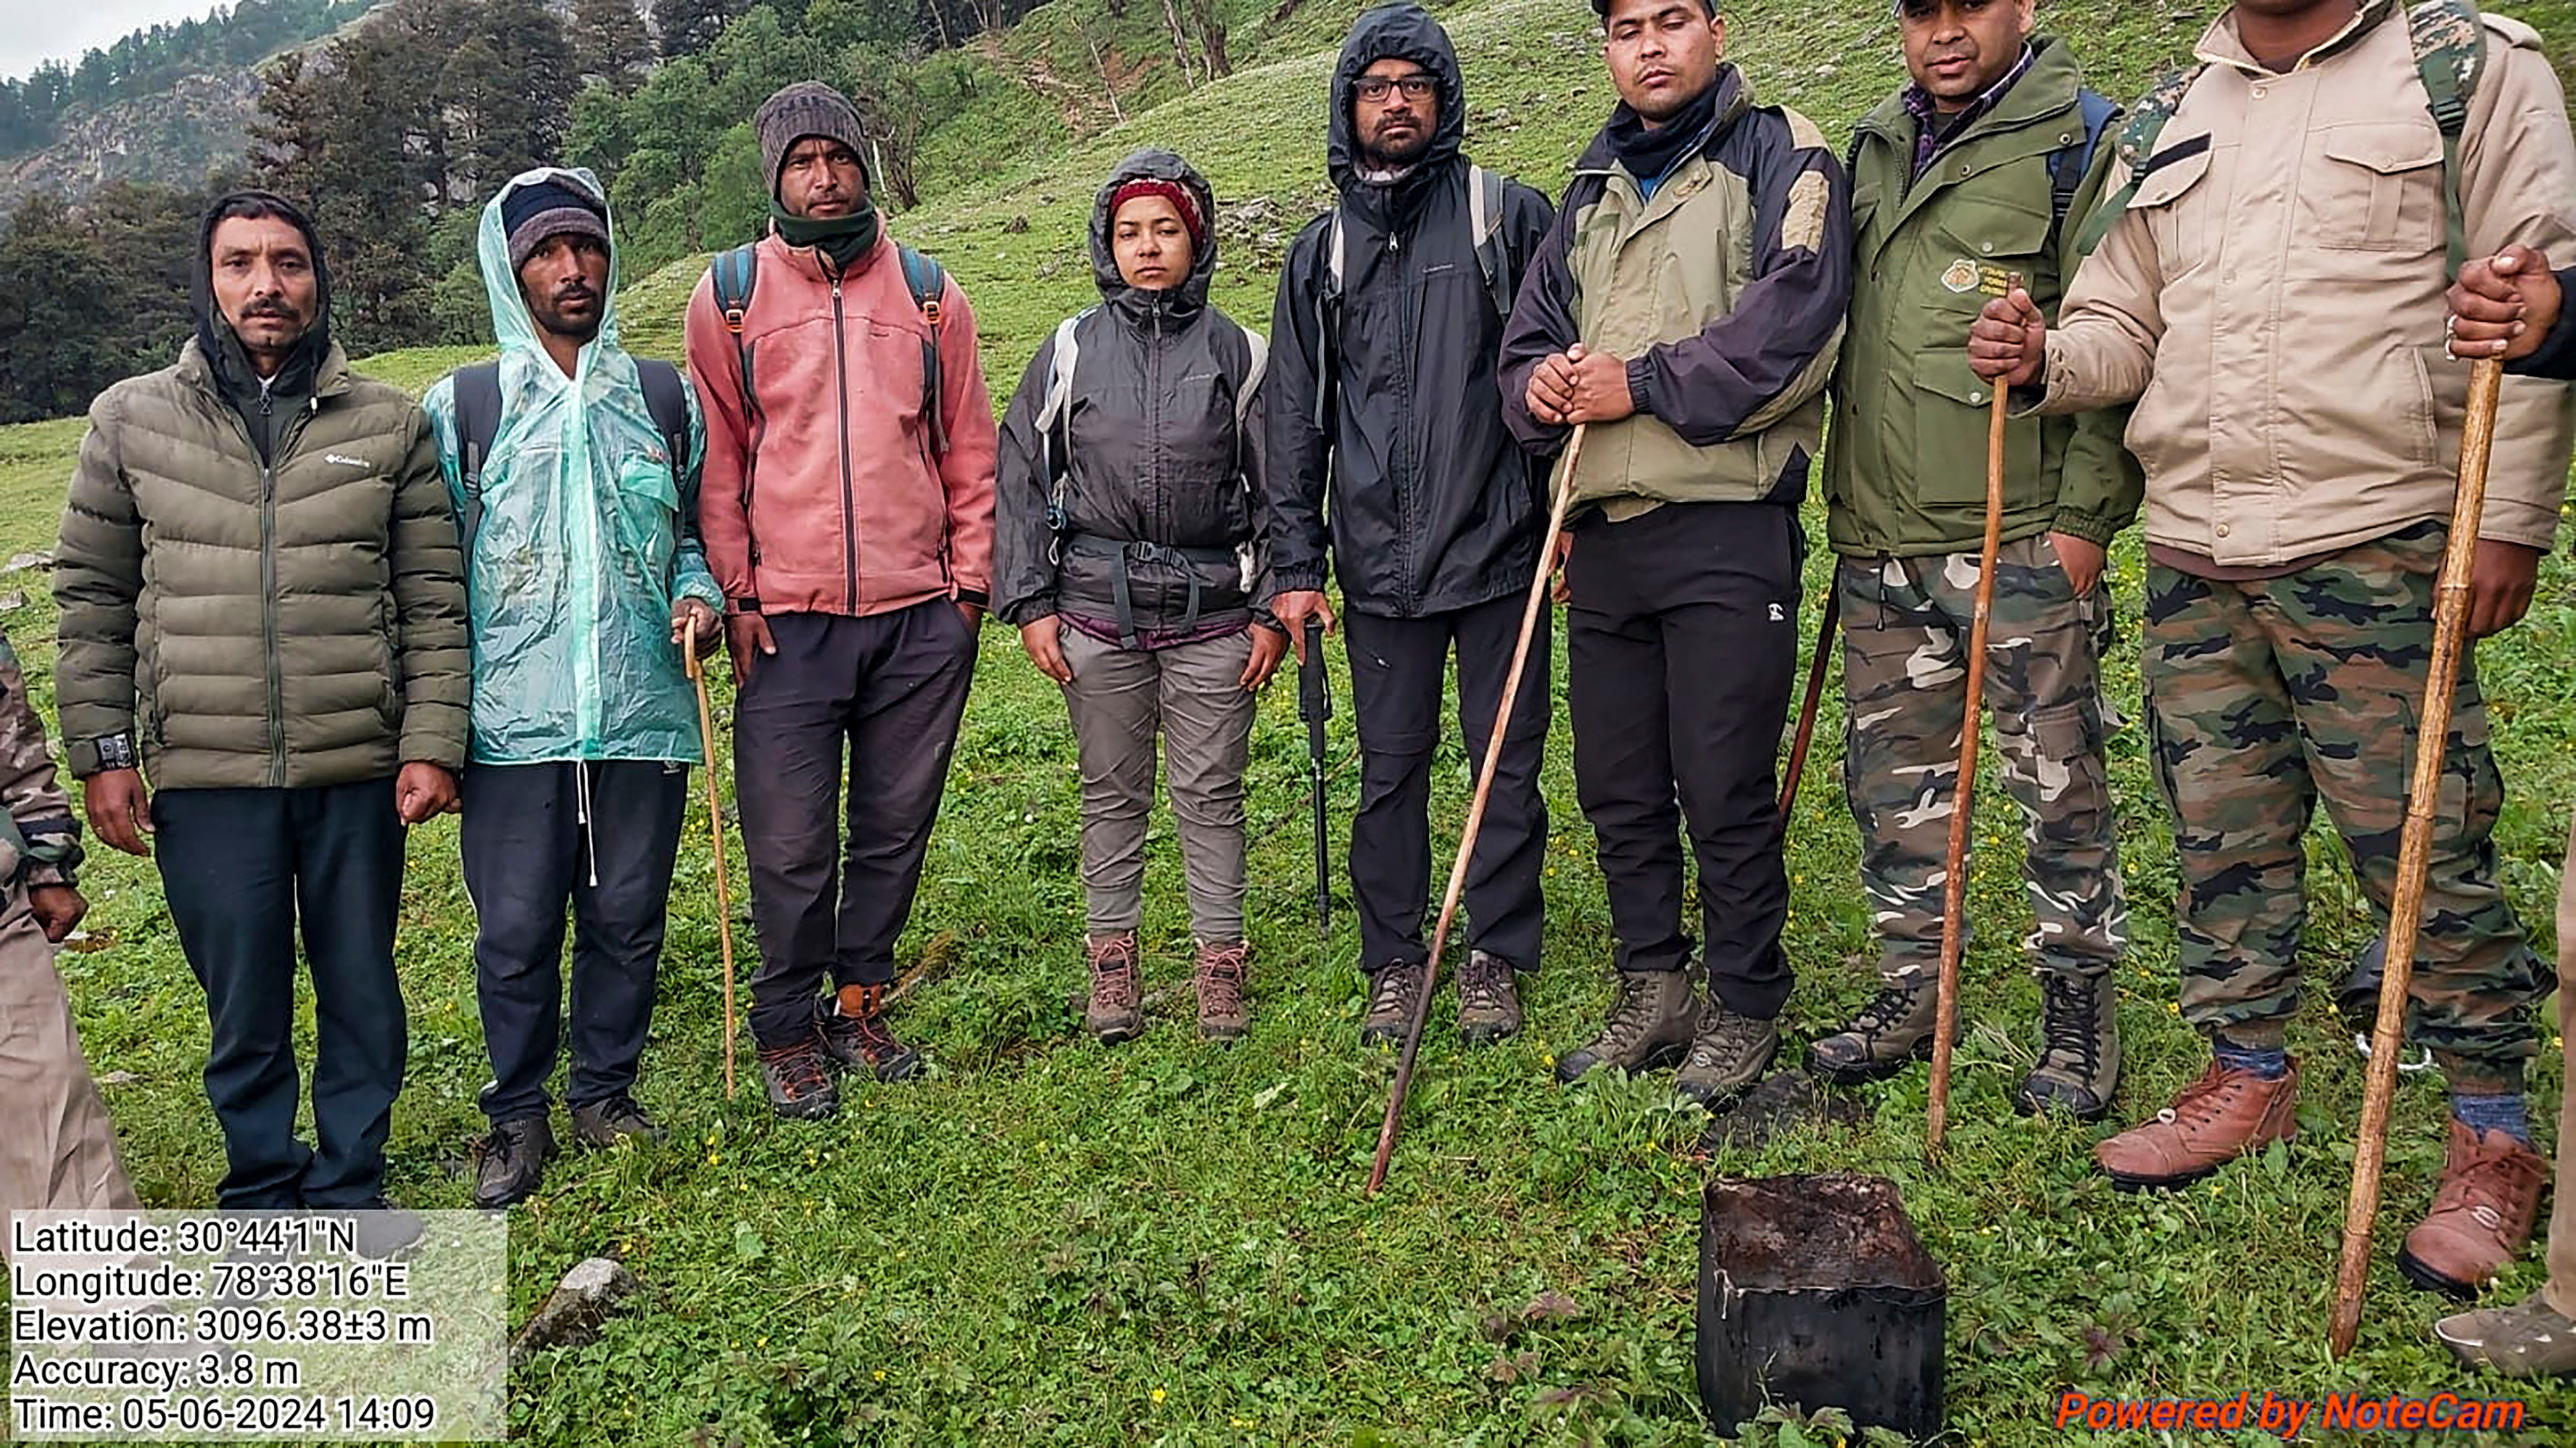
(291, 624)
(1148, 450)
(587, 534)
(1433, 508)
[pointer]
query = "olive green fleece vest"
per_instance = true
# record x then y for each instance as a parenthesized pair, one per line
(1648, 271)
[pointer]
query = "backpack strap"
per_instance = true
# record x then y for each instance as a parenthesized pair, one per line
(2069, 165)
(2450, 42)
(1253, 372)
(2136, 145)
(1055, 432)
(929, 285)
(1485, 224)
(1328, 321)
(477, 392)
(668, 401)
(733, 274)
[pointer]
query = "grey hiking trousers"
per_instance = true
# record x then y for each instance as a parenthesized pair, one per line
(1192, 695)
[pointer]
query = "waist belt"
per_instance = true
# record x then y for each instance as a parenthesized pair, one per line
(1130, 551)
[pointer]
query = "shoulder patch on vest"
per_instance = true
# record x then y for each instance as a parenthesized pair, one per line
(1803, 133)
(1803, 226)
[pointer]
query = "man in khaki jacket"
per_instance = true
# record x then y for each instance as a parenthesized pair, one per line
(2273, 301)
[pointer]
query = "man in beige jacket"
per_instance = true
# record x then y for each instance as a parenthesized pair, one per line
(58, 1152)
(2272, 299)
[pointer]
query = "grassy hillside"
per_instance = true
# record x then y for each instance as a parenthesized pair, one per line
(1049, 1242)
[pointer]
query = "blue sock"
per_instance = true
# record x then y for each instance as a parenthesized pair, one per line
(2271, 1063)
(2497, 1111)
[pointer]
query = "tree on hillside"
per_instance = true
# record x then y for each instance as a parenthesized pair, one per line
(689, 26)
(505, 94)
(609, 42)
(57, 304)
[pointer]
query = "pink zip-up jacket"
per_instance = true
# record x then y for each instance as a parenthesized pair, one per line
(821, 495)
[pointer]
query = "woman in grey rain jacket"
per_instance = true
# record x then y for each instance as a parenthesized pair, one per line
(1130, 555)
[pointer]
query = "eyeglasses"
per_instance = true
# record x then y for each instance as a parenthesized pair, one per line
(1416, 87)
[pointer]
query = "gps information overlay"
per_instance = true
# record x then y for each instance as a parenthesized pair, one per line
(279, 1326)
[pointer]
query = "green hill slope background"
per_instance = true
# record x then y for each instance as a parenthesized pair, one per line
(1049, 1242)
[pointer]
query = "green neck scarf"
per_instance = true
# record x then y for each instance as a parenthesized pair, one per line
(842, 238)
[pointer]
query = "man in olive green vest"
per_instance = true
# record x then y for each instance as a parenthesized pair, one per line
(1684, 311)
(1979, 170)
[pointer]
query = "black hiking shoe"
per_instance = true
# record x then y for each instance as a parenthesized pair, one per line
(512, 1161)
(799, 1087)
(1393, 989)
(2079, 1050)
(1730, 1053)
(1894, 1029)
(608, 1121)
(1489, 1000)
(856, 1037)
(1651, 1024)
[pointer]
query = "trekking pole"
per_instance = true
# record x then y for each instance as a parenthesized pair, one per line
(715, 827)
(1538, 596)
(1954, 881)
(2415, 845)
(1315, 705)
(1807, 709)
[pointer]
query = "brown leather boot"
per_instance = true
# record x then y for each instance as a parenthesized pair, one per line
(856, 1037)
(1219, 973)
(1114, 1011)
(2482, 1213)
(2216, 1119)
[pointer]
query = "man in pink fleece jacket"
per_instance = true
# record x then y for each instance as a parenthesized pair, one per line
(852, 535)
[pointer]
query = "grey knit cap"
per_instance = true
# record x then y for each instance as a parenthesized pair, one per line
(547, 208)
(807, 108)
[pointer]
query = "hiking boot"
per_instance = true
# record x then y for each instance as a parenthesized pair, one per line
(1219, 973)
(606, 1122)
(1113, 1013)
(1393, 989)
(2216, 1119)
(512, 1161)
(1730, 1054)
(799, 1087)
(2482, 1212)
(2079, 1050)
(1489, 1000)
(2526, 1340)
(1894, 1029)
(1651, 1024)
(856, 1037)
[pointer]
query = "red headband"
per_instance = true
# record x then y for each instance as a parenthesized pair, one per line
(1171, 191)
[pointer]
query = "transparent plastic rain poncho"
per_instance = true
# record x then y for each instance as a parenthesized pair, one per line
(586, 539)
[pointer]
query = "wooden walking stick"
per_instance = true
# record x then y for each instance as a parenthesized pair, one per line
(1807, 708)
(715, 827)
(1954, 879)
(1476, 812)
(2415, 846)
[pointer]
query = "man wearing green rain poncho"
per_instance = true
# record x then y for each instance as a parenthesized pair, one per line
(583, 569)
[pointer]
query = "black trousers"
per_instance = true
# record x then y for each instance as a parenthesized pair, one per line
(1682, 639)
(601, 837)
(891, 688)
(245, 871)
(1397, 666)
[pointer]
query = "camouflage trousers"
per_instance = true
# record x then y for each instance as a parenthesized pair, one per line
(1906, 626)
(2265, 697)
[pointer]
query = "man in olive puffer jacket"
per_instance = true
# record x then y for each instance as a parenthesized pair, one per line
(262, 610)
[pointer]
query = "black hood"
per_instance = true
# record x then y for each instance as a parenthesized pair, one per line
(1406, 32)
(1190, 296)
(224, 356)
